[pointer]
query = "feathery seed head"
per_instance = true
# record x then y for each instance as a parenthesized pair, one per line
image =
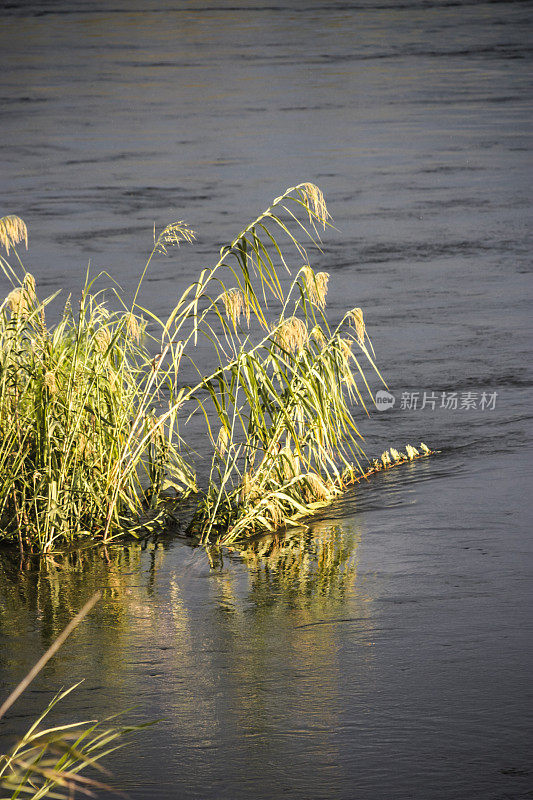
(412, 452)
(322, 279)
(12, 231)
(291, 335)
(67, 310)
(307, 273)
(222, 441)
(316, 488)
(102, 339)
(133, 327)
(425, 449)
(50, 382)
(395, 455)
(235, 304)
(172, 235)
(29, 286)
(316, 285)
(346, 354)
(315, 203)
(357, 322)
(318, 335)
(18, 302)
(346, 349)
(385, 458)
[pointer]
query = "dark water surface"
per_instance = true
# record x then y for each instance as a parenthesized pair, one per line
(386, 653)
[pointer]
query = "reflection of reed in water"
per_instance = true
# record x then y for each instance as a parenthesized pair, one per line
(319, 562)
(281, 627)
(246, 656)
(40, 596)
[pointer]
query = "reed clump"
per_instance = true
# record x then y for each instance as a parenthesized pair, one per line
(80, 455)
(90, 418)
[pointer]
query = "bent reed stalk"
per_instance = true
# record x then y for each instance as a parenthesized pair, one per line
(89, 419)
(47, 761)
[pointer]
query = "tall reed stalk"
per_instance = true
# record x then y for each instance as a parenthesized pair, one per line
(90, 420)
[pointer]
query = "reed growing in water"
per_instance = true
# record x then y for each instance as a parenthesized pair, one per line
(80, 453)
(89, 419)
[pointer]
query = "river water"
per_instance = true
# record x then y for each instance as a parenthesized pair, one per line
(386, 652)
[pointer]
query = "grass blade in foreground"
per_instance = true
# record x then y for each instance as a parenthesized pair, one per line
(46, 762)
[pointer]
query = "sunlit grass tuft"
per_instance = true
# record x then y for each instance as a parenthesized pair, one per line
(78, 455)
(89, 418)
(47, 761)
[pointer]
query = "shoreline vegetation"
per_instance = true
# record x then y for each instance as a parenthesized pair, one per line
(91, 421)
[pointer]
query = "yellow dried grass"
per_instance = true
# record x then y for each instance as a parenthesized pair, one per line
(357, 321)
(292, 335)
(13, 230)
(316, 285)
(314, 200)
(235, 305)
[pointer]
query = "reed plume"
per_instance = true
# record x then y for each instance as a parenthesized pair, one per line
(315, 203)
(412, 452)
(235, 305)
(172, 236)
(17, 300)
(12, 231)
(291, 335)
(316, 285)
(357, 321)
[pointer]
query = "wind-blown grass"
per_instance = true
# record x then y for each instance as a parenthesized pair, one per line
(90, 420)
(47, 761)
